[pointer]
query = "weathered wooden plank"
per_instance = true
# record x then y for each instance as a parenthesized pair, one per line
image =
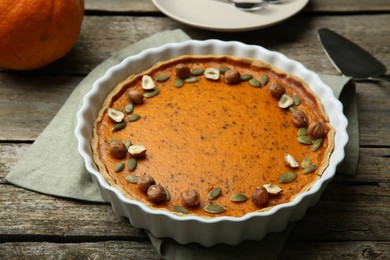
(97, 250)
(313, 6)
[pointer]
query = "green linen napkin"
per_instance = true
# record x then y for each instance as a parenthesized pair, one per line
(52, 165)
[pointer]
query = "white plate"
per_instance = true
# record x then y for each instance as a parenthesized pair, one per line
(191, 228)
(220, 16)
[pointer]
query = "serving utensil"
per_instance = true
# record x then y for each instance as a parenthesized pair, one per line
(350, 59)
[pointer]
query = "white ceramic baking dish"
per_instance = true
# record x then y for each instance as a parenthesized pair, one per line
(207, 231)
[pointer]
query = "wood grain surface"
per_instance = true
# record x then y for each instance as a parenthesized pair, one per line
(351, 220)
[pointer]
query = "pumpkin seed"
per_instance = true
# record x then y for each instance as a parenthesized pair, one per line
(114, 140)
(222, 70)
(264, 79)
(246, 77)
(303, 131)
(305, 139)
(132, 164)
(287, 177)
(296, 99)
(191, 79)
(292, 109)
(168, 196)
(132, 178)
(180, 209)
(162, 77)
(115, 114)
(254, 83)
(147, 82)
(119, 167)
(305, 162)
(127, 144)
(119, 126)
(178, 83)
(214, 208)
(309, 169)
(215, 193)
(152, 93)
(133, 117)
(129, 108)
(317, 144)
(196, 71)
(238, 197)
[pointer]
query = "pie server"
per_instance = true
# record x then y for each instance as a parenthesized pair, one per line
(350, 59)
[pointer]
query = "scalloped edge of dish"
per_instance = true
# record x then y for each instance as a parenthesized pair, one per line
(205, 231)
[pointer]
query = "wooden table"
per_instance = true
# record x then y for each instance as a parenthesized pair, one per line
(352, 218)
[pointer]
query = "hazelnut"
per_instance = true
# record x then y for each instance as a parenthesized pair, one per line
(144, 182)
(182, 71)
(260, 196)
(117, 149)
(299, 118)
(316, 130)
(232, 76)
(136, 96)
(277, 90)
(190, 198)
(156, 193)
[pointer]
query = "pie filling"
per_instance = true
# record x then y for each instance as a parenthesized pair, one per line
(212, 136)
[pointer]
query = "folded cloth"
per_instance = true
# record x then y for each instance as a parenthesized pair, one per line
(52, 165)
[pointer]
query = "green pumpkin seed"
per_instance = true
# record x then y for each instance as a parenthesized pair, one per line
(287, 177)
(178, 83)
(214, 208)
(119, 126)
(292, 109)
(132, 164)
(264, 79)
(254, 83)
(296, 100)
(114, 140)
(152, 93)
(168, 196)
(127, 144)
(119, 167)
(129, 108)
(133, 117)
(162, 77)
(309, 169)
(180, 209)
(222, 70)
(197, 71)
(215, 193)
(305, 162)
(246, 77)
(305, 139)
(317, 144)
(132, 178)
(238, 198)
(191, 79)
(303, 131)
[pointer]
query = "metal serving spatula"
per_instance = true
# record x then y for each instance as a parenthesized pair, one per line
(350, 59)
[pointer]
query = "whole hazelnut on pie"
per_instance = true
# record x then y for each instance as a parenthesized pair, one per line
(299, 118)
(144, 182)
(136, 96)
(156, 193)
(190, 198)
(277, 90)
(260, 196)
(117, 149)
(232, 76)
(182, 71)
(316, 130)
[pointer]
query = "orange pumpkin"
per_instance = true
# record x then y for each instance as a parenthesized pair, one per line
(34, 33)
